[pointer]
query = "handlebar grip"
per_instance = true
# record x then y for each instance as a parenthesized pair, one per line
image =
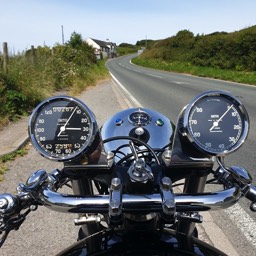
(251, 195)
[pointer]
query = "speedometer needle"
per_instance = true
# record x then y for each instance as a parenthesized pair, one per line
(63, 128)
(216, 123)
(76, 129)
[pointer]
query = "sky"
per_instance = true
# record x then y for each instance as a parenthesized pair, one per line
(39, 22)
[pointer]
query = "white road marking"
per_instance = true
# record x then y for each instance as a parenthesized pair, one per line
(177, 82)
(138, 71)
(133, 99)
(244, 222)
(149, 74)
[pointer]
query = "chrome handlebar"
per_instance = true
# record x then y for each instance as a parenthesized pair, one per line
(165, 202)
(139, 203)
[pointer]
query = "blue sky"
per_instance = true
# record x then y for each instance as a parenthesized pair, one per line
(37, 22)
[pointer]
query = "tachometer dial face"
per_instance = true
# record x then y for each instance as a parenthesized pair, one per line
(216, 123)
(140, 118)
(61, 128)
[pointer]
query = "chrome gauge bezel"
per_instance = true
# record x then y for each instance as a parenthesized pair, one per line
(139, 122)
(91, 130)
(236, 104)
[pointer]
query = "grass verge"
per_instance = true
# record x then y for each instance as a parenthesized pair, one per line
(94, 75)
(187, 68)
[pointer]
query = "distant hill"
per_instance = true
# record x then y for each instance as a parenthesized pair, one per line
(236, 50)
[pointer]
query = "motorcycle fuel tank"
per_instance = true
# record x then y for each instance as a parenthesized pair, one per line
(147, 125)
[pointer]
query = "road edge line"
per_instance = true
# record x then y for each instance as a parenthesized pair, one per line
(135, 102)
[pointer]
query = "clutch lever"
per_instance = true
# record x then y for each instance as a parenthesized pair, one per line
(4, 236)
(11, 223)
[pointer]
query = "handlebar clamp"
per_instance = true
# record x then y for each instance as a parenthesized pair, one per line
(35, 180)
(115, 201)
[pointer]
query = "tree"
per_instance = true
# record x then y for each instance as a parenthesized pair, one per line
(184, 38)
(76, 40)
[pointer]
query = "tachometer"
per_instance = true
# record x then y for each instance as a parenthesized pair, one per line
(61, 128)
(216, 123)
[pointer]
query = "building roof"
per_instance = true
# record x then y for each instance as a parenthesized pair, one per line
(103, 43)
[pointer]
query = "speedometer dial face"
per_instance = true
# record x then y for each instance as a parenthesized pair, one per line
(61, 128)
(216, 123)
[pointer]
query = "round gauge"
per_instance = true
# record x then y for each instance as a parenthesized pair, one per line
(140, 118)
(216, 123)
(61, 128)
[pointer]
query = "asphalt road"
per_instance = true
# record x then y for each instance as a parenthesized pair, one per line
(168, 93)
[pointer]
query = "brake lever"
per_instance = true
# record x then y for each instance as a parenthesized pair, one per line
(13, 223)
(11, 217)
(4, 237)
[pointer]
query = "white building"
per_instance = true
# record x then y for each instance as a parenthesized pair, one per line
(105, 48)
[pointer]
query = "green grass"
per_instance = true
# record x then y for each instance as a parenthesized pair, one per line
(91, 77)
(187, 68)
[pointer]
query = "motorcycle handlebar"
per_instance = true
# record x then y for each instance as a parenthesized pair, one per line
(44, 194)
(140, 203)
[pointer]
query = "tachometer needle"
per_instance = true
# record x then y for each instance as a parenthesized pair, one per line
(216, 123)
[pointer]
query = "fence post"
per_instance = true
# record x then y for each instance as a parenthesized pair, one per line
(5, 57)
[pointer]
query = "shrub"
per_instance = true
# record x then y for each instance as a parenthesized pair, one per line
(33, 76)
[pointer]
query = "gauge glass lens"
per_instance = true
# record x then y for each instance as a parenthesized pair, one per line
(61, 128)
(217, 124)
(139, 118)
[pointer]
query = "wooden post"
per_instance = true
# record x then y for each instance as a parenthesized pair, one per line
(5, 57)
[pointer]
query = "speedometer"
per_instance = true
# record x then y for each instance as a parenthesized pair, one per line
(216, 123)
(61, 128)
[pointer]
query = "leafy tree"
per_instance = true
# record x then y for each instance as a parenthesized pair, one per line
(126, 45)
(184, 38)
(76, 40)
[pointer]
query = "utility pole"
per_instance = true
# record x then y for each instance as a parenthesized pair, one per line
(62, 32)
(5, 57)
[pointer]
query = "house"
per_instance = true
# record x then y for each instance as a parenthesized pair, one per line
(106, 49)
